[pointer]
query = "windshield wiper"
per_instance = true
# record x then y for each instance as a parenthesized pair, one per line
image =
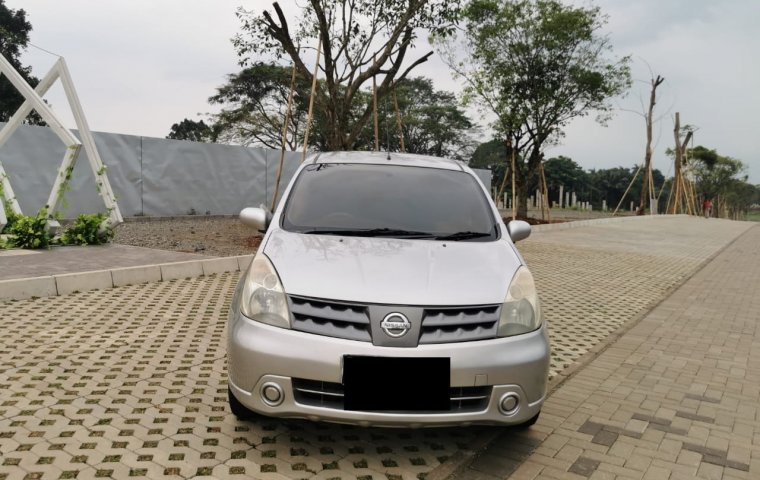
(371, 232)
(463, 236)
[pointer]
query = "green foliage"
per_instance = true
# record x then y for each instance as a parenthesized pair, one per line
(14, 37)
(489, 154)
(88, 229)
(254, 102)
(611, 183)
(30, 232)
(432, 121)
(12, 218)
(564, 171)
(191, 130)
(722, 179)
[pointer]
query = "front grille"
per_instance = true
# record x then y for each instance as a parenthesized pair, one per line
(329, 318)
(459, 324)
(315, 393)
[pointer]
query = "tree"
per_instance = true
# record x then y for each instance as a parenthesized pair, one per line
(563, 171)
(254, 103)
(536, 65)
(432, 122)
(359, 39)
(490, 155)
(610, 184)
(14, 38)
(191, 130)
(722, 179)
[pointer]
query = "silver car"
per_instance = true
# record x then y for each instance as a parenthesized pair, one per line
(387, 291)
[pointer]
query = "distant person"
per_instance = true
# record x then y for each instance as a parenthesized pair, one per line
(707, 207)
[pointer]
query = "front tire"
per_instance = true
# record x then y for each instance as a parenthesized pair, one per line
(529, 423)
(237, 408)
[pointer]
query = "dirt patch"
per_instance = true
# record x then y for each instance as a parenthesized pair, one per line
(213, 236)
(533, 221)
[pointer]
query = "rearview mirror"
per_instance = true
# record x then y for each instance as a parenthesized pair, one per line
(257, 218)
(518, 230)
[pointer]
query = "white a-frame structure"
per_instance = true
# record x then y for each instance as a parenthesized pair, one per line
(73, 146)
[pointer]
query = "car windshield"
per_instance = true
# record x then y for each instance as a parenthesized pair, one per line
(389, 201)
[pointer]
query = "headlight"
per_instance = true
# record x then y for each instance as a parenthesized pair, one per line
(263, 298)
(521, 312)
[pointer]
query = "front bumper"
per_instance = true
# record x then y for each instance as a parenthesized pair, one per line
(260, 354)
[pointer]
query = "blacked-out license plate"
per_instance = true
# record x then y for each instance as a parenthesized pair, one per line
(396, 384)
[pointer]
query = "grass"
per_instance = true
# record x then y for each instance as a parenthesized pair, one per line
(753, 216)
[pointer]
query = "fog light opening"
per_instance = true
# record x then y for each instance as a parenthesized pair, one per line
(509, 403)
(272, 394)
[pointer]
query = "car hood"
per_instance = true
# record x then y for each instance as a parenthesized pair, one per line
(391, 270)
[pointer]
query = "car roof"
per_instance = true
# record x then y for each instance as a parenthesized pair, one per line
(385, 158)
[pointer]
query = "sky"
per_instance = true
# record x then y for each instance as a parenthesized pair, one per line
(142, 65)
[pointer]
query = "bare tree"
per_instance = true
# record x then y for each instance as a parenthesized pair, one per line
(647, 187)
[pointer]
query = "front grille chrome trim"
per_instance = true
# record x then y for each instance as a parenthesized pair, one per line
(330, 318)
(317, 393)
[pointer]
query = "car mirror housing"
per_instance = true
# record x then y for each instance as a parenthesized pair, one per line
(518, 230)
(258, 218)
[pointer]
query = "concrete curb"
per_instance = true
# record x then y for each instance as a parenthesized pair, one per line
(53, 285)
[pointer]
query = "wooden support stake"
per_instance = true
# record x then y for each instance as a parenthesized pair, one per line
(284, 138)
(374, 110)
(546, 195)
(626, 190)
(514, 192)
(398, 120)
(311, 100)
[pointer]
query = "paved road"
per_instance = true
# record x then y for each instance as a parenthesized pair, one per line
(676, 397)
(132, 381)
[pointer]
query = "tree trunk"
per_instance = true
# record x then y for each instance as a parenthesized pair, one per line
(527, 180)
(644, 199)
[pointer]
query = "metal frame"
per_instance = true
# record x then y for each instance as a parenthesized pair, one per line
(35, 102)
(3, 218)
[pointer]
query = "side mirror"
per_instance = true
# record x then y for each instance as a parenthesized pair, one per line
(518, 230)
(257, 218)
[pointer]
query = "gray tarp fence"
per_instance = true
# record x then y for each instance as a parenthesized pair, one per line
(150, 176)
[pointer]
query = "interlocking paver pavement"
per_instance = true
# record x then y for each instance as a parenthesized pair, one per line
(594, 279)
(132, 381)
(675, 397)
